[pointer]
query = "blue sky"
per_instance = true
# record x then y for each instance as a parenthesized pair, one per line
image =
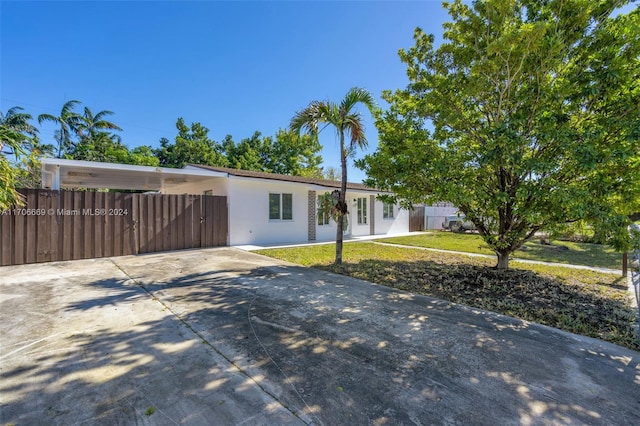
(236, 67)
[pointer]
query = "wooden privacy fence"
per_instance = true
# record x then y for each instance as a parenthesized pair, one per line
(416, 219)
(69, 225)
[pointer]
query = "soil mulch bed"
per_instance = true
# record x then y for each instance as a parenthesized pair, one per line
(578, 302)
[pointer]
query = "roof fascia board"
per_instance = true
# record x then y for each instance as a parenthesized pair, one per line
(46, 162)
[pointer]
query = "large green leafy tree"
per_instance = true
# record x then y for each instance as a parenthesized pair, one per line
(248, 154)
(348, 123)
(191, 145)
(288, 153)
(295, 154)
(527, 116)
(143, 156)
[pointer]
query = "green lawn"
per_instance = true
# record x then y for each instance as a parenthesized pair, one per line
(559, 251)
(580, 301)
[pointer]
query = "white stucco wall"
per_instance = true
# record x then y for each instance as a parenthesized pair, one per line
(249, 212)
(398, 225)
(248, 201)
(219, 186)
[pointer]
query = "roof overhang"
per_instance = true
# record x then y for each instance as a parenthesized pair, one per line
(58, 173)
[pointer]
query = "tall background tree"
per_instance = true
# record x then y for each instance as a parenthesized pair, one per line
(17, 136)
(287, 153)
(295, 154)
(534, 108)
(67, 120)
(347, 122)
(191, 145)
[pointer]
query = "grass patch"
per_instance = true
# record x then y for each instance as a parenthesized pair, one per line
(584, 302)
(559, 252)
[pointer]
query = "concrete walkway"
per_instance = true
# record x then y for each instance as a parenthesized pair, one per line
(223, 336)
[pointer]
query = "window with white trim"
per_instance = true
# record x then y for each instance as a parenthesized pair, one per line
(280, 206)
(323, 214)
(362, 211)
(387, 211)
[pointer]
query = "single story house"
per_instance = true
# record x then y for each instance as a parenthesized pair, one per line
(263, 208)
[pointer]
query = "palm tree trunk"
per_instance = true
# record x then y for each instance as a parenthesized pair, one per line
(341, 201)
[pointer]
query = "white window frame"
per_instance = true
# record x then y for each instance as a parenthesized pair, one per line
(362, 210)
(281, 210)
(325, 219)
(388, 211)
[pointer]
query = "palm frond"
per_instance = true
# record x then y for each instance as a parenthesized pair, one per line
(308, 119)
(354, 128)
(100, 116)
(357, 95)
(47, 117)
(67, 108)
(18, 121)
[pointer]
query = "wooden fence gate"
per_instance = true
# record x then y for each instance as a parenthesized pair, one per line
(69, 225)
(416, 219)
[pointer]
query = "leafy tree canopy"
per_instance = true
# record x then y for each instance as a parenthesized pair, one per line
(526, 117)
(191, 145)
(287, 153)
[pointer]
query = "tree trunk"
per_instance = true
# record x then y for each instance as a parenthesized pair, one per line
(503, 260)
(339, 233)
(341, 201)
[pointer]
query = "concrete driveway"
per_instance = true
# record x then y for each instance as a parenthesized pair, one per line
(222, 336)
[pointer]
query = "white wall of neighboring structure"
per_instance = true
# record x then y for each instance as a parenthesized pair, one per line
(435, 215)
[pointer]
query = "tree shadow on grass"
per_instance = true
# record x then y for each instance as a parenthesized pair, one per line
(523, 294)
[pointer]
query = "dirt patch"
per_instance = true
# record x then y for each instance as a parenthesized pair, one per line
(565, 303)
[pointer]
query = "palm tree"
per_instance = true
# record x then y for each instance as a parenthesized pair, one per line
(14, 122)
(89, 124)
(18, 121)
(16, 135)
(68, 121)
(346, 121)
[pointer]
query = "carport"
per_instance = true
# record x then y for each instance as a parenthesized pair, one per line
(66, 222)
(73, 174)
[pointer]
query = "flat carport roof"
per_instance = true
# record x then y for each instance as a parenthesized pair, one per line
(59, 173)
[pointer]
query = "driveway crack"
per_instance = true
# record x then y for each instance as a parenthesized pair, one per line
(204, 340)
